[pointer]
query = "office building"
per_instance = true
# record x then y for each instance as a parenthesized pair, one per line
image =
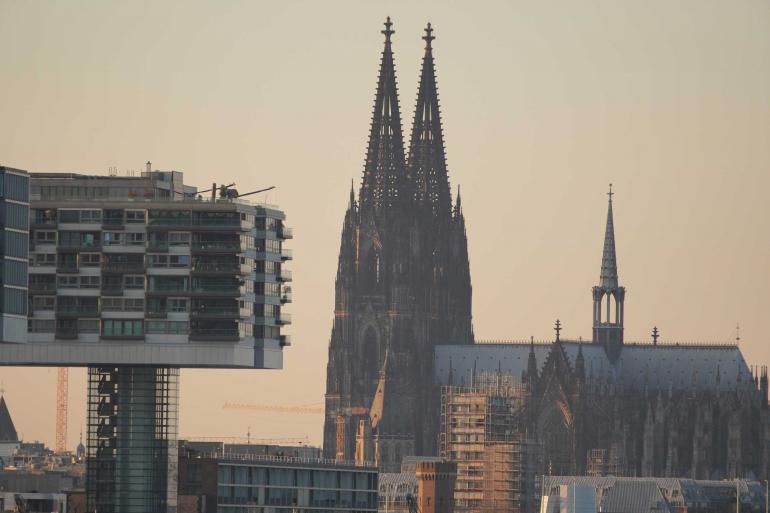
(242, 483)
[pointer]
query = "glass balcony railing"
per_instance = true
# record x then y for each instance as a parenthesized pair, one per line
(125, 267)
(286, 297)
(42, 287)
(220, 288)
(66, 333)
(167, 287)
(169, 221)
(203, 311)
(216, 267)
(284, 275)
(284, 319)
(285, 232)
(77, 310)
(216, 246)
(286, 254)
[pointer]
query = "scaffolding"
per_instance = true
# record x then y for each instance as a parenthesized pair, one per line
(481, 432)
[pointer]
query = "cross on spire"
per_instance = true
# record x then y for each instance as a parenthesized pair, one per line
(557, 328)
(428, 37)
(655, 335)
(610, 194)
(388, 31)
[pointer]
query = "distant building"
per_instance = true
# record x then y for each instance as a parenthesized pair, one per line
(136, 277)
(609, 406)
(236, 483)
(650, 495)
(9, 440)
(14, 237)
(436, 483)
(403, 281)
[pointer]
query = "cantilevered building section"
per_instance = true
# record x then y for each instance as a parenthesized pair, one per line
(135, 277)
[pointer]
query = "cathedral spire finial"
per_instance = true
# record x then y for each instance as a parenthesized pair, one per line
(428, 37)
(557, 328)
(352, 194)
(609, 272)
(388, 30)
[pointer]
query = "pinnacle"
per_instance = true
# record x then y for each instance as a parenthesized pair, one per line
(609, 272)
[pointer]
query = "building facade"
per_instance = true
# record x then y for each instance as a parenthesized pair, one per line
(14, 230)
(403, 281)
(136, 277)
(241, 483)
(629, 409)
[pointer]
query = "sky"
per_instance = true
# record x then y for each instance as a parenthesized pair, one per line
(544, 104)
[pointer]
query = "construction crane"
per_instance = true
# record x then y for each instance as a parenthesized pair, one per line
(275, 408)
(282, 408)
(62, 385)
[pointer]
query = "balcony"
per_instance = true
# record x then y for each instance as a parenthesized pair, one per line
(77, 311)
(286, 254)
(202, 311)
(66, 333)
(284, 232)
(113, 223)
(215, 334)
(43, 222)
(40, 288)
(216, 247)
(284, 275)
(157, 246)
(67, 268)
(286, 298)
(283, 319)
(79, 246)
(112, 289)
(124, 267)
(167, 289)
(285, 340)
(170, 222)
(217, 290)
(216, 268)
(156, 314)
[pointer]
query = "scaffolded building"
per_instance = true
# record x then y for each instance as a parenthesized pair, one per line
(496, 462)
(135, 277)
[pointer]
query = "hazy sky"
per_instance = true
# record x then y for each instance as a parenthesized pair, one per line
(544, 104)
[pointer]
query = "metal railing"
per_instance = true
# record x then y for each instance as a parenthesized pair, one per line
(287, 459)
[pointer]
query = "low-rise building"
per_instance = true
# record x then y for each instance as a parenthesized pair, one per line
(241, 483)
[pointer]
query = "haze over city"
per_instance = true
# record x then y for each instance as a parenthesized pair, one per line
(543, 107)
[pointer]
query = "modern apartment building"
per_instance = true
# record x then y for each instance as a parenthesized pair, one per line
(14, 225)
(243, 483)
(135, 277)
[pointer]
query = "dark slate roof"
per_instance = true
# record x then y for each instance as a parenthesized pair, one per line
(633, 497)
(658, 367)
(7, 429)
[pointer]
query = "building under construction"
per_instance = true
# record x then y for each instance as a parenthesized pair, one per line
(496, 462)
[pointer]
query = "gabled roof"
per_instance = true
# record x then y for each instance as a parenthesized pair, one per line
(680, 367)
(7, 429)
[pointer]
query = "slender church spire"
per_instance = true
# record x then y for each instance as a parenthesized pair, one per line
(384, 178)
(609, 274)
(427, 160)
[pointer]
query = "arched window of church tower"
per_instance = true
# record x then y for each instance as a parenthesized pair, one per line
(377, 267)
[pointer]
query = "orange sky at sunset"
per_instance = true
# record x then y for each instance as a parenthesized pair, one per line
(543, 104)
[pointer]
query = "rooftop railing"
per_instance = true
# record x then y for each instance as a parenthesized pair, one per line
(239, 457)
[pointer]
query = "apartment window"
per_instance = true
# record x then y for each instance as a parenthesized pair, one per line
(157, 260)
(90, 216)
(88, 325)
(90, 259)
(112, 238)
(68, 216)
(135, 238)
(67, 282)
(134, 304)
(247, 242)
(90, 282)
(177, 305)
(178, 238)
(43, 259)
(167, 327)
(43, 302)
(42, 325)
(122, 328)
(179, 260)
(112, 304)
(45, 237)
(133, 281)
(135, 216)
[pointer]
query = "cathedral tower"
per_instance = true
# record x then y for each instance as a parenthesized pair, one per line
(403, 280)
(608, 295)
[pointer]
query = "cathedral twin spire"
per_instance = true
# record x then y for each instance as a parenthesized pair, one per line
(389, 181)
